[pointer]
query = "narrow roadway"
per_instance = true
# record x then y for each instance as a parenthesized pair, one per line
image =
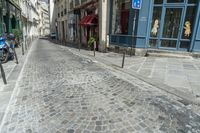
(59, 92)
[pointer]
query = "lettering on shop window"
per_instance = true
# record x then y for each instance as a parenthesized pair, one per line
(143, 19)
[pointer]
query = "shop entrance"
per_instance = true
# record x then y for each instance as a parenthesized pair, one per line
(172, 25)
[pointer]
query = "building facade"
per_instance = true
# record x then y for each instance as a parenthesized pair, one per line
(29, 18)
(159, 24)
(44, 24)
(10, 15)
(1, 16)
(172, 25)
(52, 16)
(61, 19)
(77, 20)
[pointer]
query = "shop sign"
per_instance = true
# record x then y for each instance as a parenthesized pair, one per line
(136, 4)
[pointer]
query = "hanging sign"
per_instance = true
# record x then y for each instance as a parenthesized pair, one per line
(136, 4)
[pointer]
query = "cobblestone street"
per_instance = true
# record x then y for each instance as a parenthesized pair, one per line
(60, 92)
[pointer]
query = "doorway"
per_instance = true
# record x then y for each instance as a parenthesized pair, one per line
(63, 32)
(172, 25)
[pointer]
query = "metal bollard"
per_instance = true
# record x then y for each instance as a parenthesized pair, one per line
(124, 53)
(22, 48)
(94, 48)
(3, 73)
(15, 54)
(25, 43)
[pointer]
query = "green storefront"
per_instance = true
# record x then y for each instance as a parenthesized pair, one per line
(10, 16)
(1, 16)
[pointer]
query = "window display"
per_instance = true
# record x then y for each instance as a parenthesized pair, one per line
(120, 17)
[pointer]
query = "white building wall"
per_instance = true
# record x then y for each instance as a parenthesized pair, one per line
(52, 16)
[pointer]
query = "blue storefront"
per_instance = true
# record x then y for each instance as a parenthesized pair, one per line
(159, 24)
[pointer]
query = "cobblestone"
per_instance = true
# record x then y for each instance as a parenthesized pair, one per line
(62, 92)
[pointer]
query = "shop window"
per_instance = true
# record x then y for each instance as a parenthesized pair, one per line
(175, 1)
(77, 2)
(168, 43)
(158, 1)
(192, 1)
(71, 4)
(156, 21)
(188, 23)
(83, 1)
(152, 43)
(172, 22)
(184, 44)
(120, 17)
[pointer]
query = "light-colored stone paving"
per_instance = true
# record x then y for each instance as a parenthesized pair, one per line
(12, 71)
(9, 66)
(59, 92)
(180, 73)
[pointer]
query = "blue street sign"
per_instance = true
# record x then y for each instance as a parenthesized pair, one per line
(136, 4)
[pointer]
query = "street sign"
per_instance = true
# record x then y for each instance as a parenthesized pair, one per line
(136, 4)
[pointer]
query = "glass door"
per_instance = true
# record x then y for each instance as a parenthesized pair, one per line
(172, 24)
(171, 27)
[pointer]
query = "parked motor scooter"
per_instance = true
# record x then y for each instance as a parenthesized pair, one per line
(7, 48)
(4, 50)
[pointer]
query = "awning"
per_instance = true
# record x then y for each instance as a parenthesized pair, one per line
(89, 20)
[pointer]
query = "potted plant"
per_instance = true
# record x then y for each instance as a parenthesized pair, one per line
(91, 42)
(18, 35)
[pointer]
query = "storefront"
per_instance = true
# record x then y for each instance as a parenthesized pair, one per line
(160, 24)
(11, 16)
(1, 17)
(88, 22)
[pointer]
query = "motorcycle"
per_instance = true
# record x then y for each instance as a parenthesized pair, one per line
(4, 50)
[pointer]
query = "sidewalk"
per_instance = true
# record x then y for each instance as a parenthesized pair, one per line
(9, 66)
(12, 71)
(180, 76)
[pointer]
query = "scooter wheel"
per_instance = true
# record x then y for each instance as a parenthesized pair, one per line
(5, 56)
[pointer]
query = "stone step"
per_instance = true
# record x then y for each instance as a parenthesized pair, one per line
(167, 53)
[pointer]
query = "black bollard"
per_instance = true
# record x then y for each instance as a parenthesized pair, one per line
(25, 43)
(15, 54)
(3, 74)
(22, 48)
(94, 48)
(124, 53)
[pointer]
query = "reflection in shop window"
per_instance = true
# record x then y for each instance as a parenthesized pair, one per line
(121, 9)
(152, 43)
(158, 1)
(192, 1)
(168, 43)
(172, 22)
(184, 44)
(174, 1)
